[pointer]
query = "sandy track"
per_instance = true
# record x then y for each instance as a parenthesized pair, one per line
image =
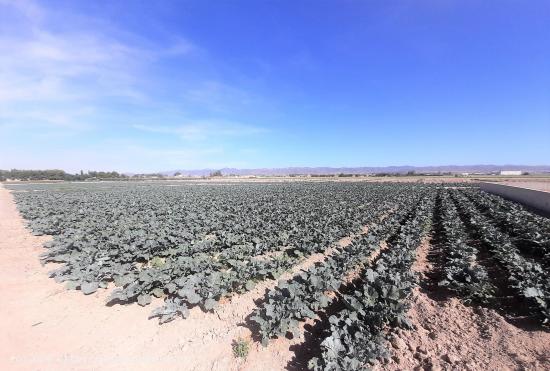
(43, 326)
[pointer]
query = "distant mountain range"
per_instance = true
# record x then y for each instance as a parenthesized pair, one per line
(363, 170)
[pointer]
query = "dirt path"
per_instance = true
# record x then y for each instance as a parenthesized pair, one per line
(451, 336)
(44, 327)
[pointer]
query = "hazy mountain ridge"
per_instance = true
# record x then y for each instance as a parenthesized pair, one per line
(363, 170)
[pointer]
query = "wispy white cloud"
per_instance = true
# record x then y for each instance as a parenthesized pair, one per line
(76, 66)
(201, 130)
(64, 75)
(69, 118)
(118, 155)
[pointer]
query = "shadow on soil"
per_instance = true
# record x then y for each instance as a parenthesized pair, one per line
(505, 301)
(314, 334)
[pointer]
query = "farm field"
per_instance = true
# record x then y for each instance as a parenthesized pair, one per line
(319, 275)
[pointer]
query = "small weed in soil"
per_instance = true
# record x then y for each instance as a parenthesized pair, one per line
(240, 348)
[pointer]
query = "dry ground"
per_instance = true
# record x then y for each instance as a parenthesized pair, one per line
(451, 336)
(44, 327)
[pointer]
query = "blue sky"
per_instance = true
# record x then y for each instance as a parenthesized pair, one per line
(148, 86)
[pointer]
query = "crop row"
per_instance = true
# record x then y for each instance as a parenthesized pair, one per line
(462, 272)
(310, 291)
(528, 231)
(525, 275)
(377, 300)
(193, 244)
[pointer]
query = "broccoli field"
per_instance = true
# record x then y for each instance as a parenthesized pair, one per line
(194, 245)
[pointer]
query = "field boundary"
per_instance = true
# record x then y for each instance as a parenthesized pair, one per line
(535, 199)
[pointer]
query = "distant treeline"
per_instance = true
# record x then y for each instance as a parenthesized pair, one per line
(55, 174)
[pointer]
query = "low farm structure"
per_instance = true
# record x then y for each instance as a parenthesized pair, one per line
(533, 198)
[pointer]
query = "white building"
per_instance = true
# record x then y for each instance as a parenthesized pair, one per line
(511, 172)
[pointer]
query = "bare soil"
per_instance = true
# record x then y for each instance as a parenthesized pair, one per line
(43, 326)
(449, 335)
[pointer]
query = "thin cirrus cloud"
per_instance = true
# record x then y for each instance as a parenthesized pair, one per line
(121, 154)
(203, 130)
(78, 66)
(70, 75)
(58, 67)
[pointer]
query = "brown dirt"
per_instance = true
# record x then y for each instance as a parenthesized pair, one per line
(451, 336)
(43, 326)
